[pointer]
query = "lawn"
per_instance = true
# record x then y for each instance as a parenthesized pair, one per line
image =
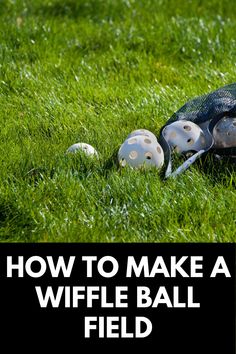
(93, 71)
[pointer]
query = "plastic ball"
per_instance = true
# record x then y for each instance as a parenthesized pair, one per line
(224, 133)
(142, 132)
(184, 136)
(83, 147)
(141, 151)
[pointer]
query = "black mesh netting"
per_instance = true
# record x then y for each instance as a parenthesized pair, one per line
(209, 107)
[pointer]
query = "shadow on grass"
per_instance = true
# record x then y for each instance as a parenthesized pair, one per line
(218, 169)
(95, 10)
(11, 220)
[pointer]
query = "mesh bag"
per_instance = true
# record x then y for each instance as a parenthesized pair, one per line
(205, 111)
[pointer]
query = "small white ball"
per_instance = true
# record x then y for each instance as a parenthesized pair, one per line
(224, 133)
(184, 136)
(142, 132)
(141, 151)
(85, 148)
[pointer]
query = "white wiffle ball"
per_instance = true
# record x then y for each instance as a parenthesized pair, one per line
(184, 136)
(141, 151)
(224, 133)
(83, 147)
(142, 132)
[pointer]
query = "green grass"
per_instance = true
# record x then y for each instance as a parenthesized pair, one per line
(93, 71)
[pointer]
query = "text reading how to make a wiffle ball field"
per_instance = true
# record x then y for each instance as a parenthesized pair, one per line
(93, 270)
